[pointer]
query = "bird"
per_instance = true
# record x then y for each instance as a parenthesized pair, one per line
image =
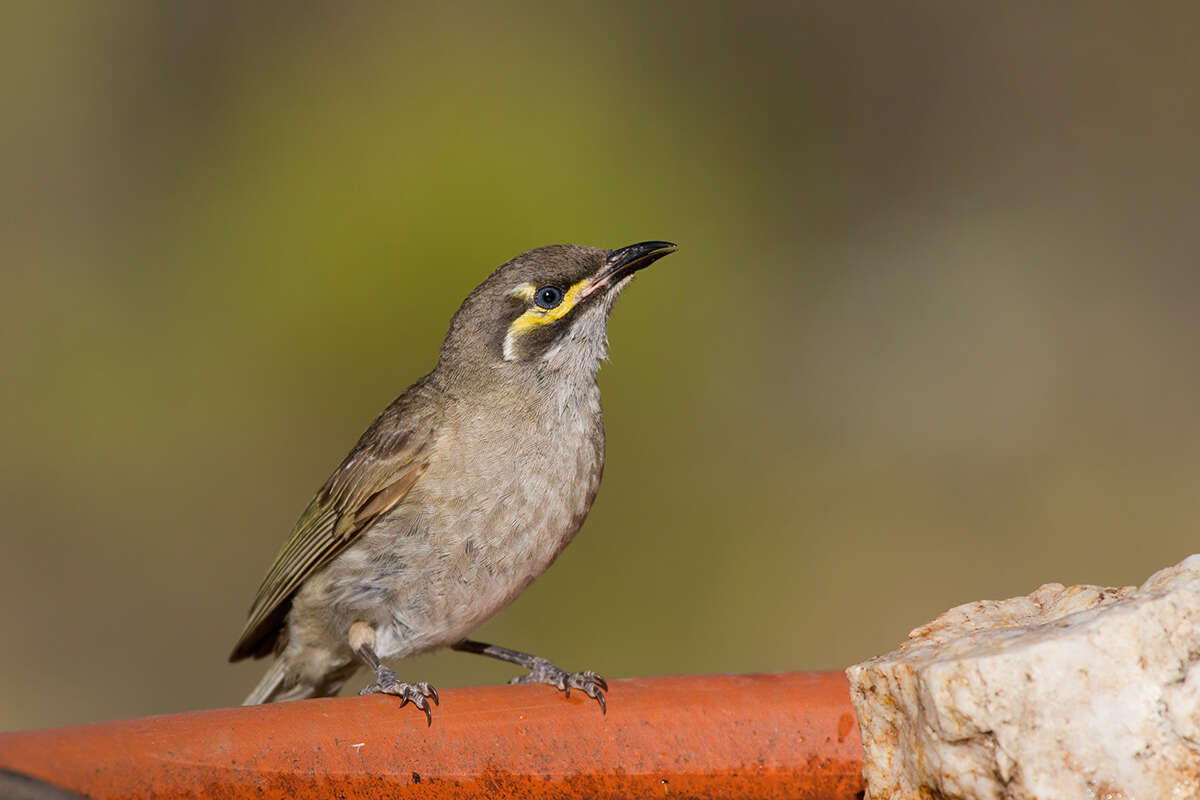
(462, 491)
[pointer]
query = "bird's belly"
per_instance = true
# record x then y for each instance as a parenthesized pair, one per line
(455, 554)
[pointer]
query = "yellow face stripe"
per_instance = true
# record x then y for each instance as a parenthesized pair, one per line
(536, 316)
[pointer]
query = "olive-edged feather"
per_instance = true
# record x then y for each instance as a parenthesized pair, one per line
(378, 473)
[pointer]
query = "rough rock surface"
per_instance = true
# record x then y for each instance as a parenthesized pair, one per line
(1071, 692)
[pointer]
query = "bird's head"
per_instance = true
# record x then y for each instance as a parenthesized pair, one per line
(547, 308)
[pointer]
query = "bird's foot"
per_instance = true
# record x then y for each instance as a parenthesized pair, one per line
(588, 682)
(418, 694)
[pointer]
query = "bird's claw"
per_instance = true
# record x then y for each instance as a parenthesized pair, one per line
(588, 682)
(419, 694)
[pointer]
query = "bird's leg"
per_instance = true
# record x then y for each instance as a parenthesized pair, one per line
(541, 670)
(362, 642)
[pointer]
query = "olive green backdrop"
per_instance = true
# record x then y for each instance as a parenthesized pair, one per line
(931, 335)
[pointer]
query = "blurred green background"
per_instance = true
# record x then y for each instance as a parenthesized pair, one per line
(930, 337)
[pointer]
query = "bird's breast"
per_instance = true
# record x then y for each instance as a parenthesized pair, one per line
(503, 495)
(514, 491)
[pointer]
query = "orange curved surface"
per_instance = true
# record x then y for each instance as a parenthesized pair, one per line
(787, 735)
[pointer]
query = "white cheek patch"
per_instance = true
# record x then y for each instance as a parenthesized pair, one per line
(510, 345)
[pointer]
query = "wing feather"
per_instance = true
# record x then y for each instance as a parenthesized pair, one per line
(377, 474)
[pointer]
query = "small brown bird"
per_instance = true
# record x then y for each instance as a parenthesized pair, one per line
(458, 495)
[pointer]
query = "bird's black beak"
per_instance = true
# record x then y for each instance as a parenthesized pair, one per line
(625, 261)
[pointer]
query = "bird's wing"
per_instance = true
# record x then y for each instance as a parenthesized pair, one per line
(381, 469)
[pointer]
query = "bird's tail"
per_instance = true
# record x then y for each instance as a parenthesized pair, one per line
(277, 686)
(269, 688)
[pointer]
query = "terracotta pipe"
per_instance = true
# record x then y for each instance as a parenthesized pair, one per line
(724, 736)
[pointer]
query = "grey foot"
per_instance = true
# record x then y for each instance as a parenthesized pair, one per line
(415, 693)
(588, 682)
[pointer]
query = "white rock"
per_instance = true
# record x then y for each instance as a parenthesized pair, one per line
(1079, 692)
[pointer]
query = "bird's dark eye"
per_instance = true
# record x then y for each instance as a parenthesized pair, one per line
(548, 296)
